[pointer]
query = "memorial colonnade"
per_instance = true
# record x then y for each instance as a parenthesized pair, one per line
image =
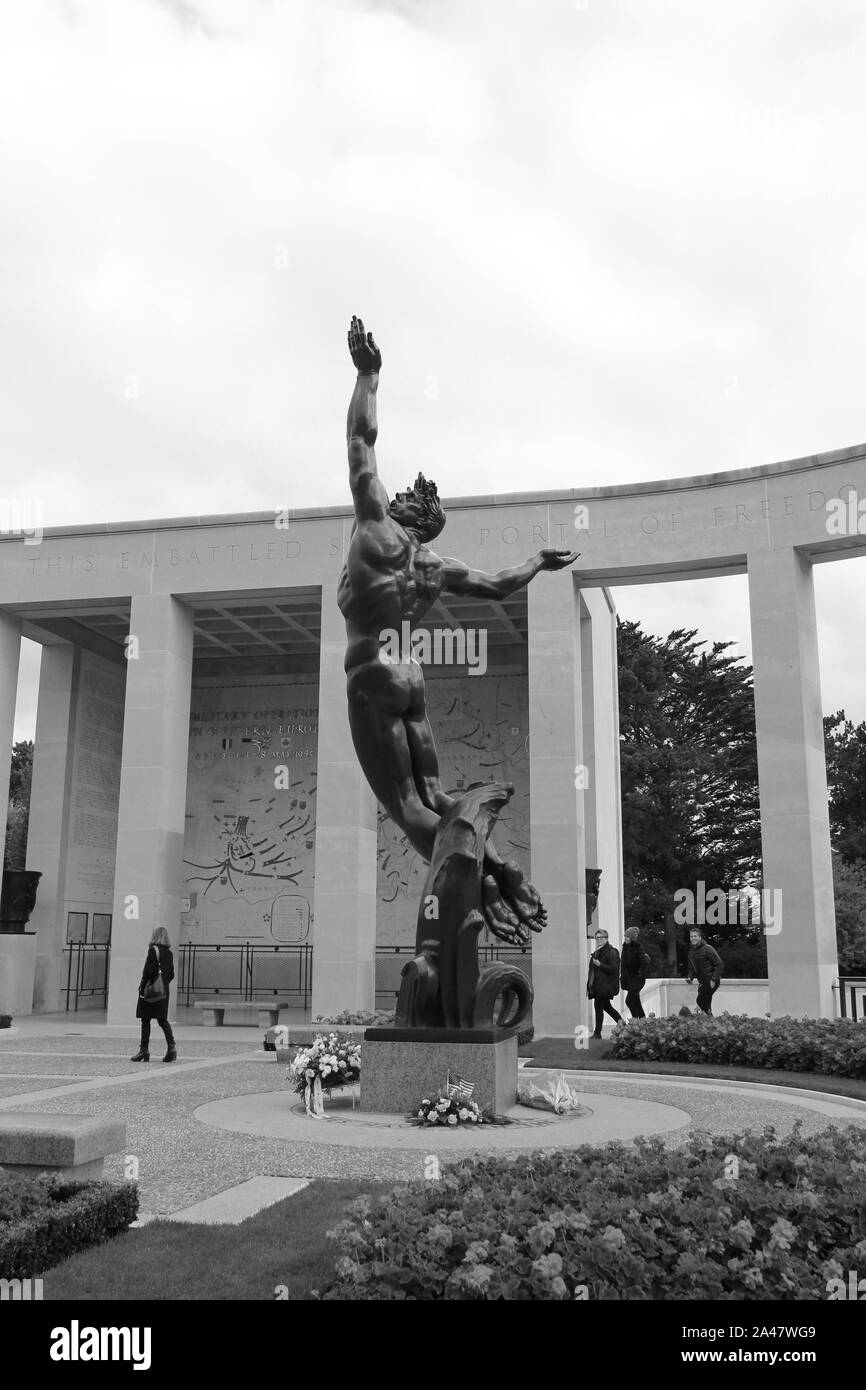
(119, 609)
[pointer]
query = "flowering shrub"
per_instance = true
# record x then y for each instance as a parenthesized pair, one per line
(747, 1216)
(835, 1047)
(380, 1018)
(335, 1061)
(448, 1110)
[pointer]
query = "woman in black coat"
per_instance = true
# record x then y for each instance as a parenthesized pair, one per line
(159, 961)
(603, 980)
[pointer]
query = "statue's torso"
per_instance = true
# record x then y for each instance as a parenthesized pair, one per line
(388, 578)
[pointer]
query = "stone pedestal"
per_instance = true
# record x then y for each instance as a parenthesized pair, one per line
(17, 968)
(400, 1066)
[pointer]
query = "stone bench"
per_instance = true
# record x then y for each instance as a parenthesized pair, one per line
(264, 1012)
(68, 1146)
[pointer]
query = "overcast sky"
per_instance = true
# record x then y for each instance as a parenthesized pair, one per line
(598, 242)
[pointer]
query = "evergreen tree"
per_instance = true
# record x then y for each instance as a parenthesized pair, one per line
(845, 750)
(849, 891)
(18, 813)
(689, 782)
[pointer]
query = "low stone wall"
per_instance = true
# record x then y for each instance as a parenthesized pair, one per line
(667, 996)
(17, 967)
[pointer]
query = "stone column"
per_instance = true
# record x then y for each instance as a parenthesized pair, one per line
(148, 881)
(49, 815)
(600, 729)
(344, 921)
(555, 803)
(795, 826)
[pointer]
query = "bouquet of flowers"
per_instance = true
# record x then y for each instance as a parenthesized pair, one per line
(449, 1110)
(330, 1061)
(553, 1093)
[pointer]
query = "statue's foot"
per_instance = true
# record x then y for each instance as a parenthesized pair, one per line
(512, 905)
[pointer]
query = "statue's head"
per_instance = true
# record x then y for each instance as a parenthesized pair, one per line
(419, 509)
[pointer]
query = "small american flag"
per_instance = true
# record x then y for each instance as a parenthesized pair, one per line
(456, 1086)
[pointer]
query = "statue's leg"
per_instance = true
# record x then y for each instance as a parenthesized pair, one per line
(379, 697)
(422, 746)
(511, 903)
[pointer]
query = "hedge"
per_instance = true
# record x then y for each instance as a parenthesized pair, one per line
(834, 1047)
(43, 1221)
(742, 1217)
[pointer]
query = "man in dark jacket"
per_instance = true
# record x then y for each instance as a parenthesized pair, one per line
(603, 980)
(635, 964)
(705, 965)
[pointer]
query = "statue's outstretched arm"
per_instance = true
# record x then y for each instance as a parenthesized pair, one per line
(460, 579)
(369, 496)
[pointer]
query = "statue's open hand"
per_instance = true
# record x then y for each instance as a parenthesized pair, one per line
(557, 559)
(512, 906)
(362, 348)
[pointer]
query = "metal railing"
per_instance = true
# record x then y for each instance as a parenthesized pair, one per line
(852, 996)
(248, 970)
(85, 964)
(391, 959)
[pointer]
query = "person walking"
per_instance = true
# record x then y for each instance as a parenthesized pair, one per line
(158, 965)
(602, 982)
(635, 964)
(705, 965)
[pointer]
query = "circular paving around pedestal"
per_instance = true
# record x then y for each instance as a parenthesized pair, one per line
(275, 1116)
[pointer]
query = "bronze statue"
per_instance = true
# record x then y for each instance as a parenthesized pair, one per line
(391, 575)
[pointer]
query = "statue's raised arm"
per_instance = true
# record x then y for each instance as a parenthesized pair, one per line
(368, 494)
(458, 578)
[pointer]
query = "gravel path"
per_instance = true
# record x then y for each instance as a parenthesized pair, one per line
(180, 1161)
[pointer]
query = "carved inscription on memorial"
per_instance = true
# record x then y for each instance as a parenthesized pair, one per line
(249, 846)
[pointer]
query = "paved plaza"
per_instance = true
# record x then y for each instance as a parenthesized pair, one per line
(222, 1123)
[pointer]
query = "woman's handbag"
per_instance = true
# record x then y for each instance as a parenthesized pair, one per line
(154, 990)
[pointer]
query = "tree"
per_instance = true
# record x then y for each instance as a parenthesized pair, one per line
(845, 751)
(21, 772)
(18, 813)
(849, 890)
(689, 781)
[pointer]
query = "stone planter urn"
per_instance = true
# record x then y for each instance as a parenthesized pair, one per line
(18, 898)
